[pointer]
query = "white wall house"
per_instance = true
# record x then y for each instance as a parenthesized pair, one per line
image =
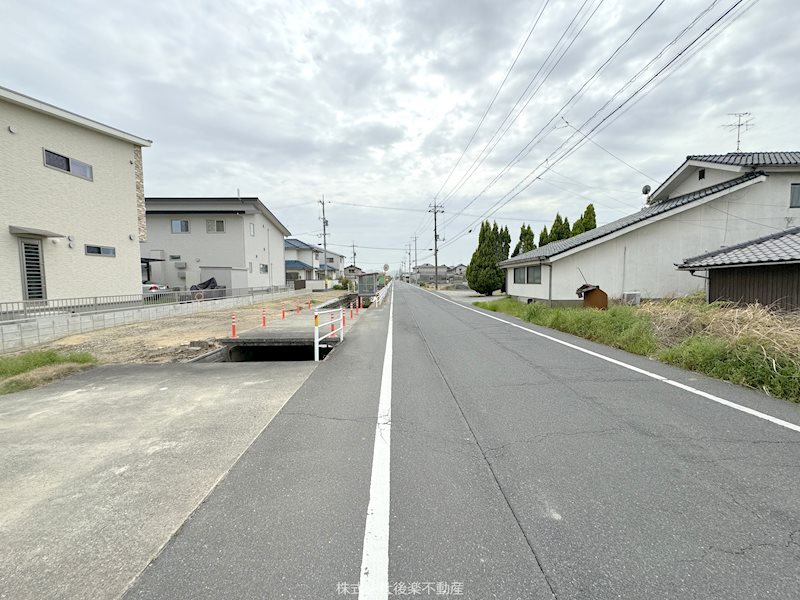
(71, 203)
(709, 202)
(306, 261)
(238, 241)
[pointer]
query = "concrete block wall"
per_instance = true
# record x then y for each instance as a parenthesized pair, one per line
(28, 334)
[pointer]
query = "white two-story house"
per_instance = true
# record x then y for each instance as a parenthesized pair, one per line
(71, 203)
(237, 241)
(308, 262)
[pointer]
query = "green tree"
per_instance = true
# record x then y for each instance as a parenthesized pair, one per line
(560, 229)
(544, 237)
(589, 218)
(578, 227)
(505, 238)
(483, 274)
(527, 241)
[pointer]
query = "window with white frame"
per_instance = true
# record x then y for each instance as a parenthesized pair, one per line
(215, 226)
(179, 225)
(794, 198)
(263, 269)
(519, 275)
(252, 230)
(68, 165)
(535, 274)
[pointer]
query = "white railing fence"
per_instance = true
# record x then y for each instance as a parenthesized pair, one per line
(340, 321)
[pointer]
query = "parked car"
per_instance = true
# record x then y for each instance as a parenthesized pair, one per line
(153, 287)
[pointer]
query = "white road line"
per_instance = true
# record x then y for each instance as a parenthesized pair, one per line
(374, 582)
(625, 365)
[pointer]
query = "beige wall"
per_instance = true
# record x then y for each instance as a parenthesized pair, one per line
(643, 260)
(100, 212)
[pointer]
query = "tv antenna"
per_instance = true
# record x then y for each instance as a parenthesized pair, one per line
(744, 120)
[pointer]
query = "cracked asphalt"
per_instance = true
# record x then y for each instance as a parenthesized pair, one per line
(520, 468)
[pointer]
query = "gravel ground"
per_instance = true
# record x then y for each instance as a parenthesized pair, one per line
(175, 339)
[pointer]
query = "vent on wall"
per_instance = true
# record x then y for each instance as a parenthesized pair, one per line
(634, 298)
(180, 265)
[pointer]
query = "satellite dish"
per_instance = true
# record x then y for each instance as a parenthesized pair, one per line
(646, 189)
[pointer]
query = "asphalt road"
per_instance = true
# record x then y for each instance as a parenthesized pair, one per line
(520, 468)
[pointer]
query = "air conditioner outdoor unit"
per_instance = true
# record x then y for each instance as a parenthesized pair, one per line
(634, 298)
(180, 265)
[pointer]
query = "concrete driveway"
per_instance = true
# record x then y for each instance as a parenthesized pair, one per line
(99, 470)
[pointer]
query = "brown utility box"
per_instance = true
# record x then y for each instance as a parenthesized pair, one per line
(593, 296)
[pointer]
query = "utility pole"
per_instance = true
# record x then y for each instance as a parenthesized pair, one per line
(416, 267)
(324, 240)
(409, 263)
(743, 120)
(435, 209)
(354, 254)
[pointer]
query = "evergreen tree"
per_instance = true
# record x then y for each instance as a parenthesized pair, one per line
(483, 274)
(578, 227)
(566, 230)
(560, 229)
(505, 238)
(544, 237)
(526, 241)
(589, 218)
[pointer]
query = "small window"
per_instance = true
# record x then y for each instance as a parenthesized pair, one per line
(252, 230)
(263, 269)
(330, 259)
(215, 226)
(68, 165)
(794, 200)
(535, 274)
(701, 174)
(519, 275)
(100, 250)
(250, 267)
(174, 256)
(180, 225)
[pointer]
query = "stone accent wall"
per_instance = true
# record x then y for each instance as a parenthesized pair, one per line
(139, 174)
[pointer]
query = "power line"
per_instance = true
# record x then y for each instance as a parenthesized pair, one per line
(491, 102)
(533, 142)
(510, 195)
(481, 158)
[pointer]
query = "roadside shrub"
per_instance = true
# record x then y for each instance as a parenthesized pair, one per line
(744, 362)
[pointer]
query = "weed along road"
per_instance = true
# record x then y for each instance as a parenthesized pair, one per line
(446, 451)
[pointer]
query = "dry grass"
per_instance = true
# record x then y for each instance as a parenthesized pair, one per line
(680, 318)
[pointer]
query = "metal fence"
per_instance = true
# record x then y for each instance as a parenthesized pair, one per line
(31, 309)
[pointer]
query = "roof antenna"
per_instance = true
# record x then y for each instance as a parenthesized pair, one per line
(582, 275)
(743, 120)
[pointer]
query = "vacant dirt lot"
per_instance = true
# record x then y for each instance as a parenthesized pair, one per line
(171, 339)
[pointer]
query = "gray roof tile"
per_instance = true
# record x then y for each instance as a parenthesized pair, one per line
(779, 247)
(554, 248)
(751, 159)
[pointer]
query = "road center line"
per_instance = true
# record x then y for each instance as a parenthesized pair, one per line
(374, 582)
(630, 367)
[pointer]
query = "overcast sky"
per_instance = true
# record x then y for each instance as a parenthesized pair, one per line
(372, 103)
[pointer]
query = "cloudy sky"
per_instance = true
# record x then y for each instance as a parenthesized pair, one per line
(372, 103)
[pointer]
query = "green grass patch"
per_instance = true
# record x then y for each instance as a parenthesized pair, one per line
(21, 363)
(619, 326)
(744, 362)
(740, 359)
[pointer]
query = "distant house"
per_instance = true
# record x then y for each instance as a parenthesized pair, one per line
(307, 261)
(456, 274)
(238, 241)
(709, 202)
(765, 271)
(71, 203)
(352, 272)
(426, 273)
